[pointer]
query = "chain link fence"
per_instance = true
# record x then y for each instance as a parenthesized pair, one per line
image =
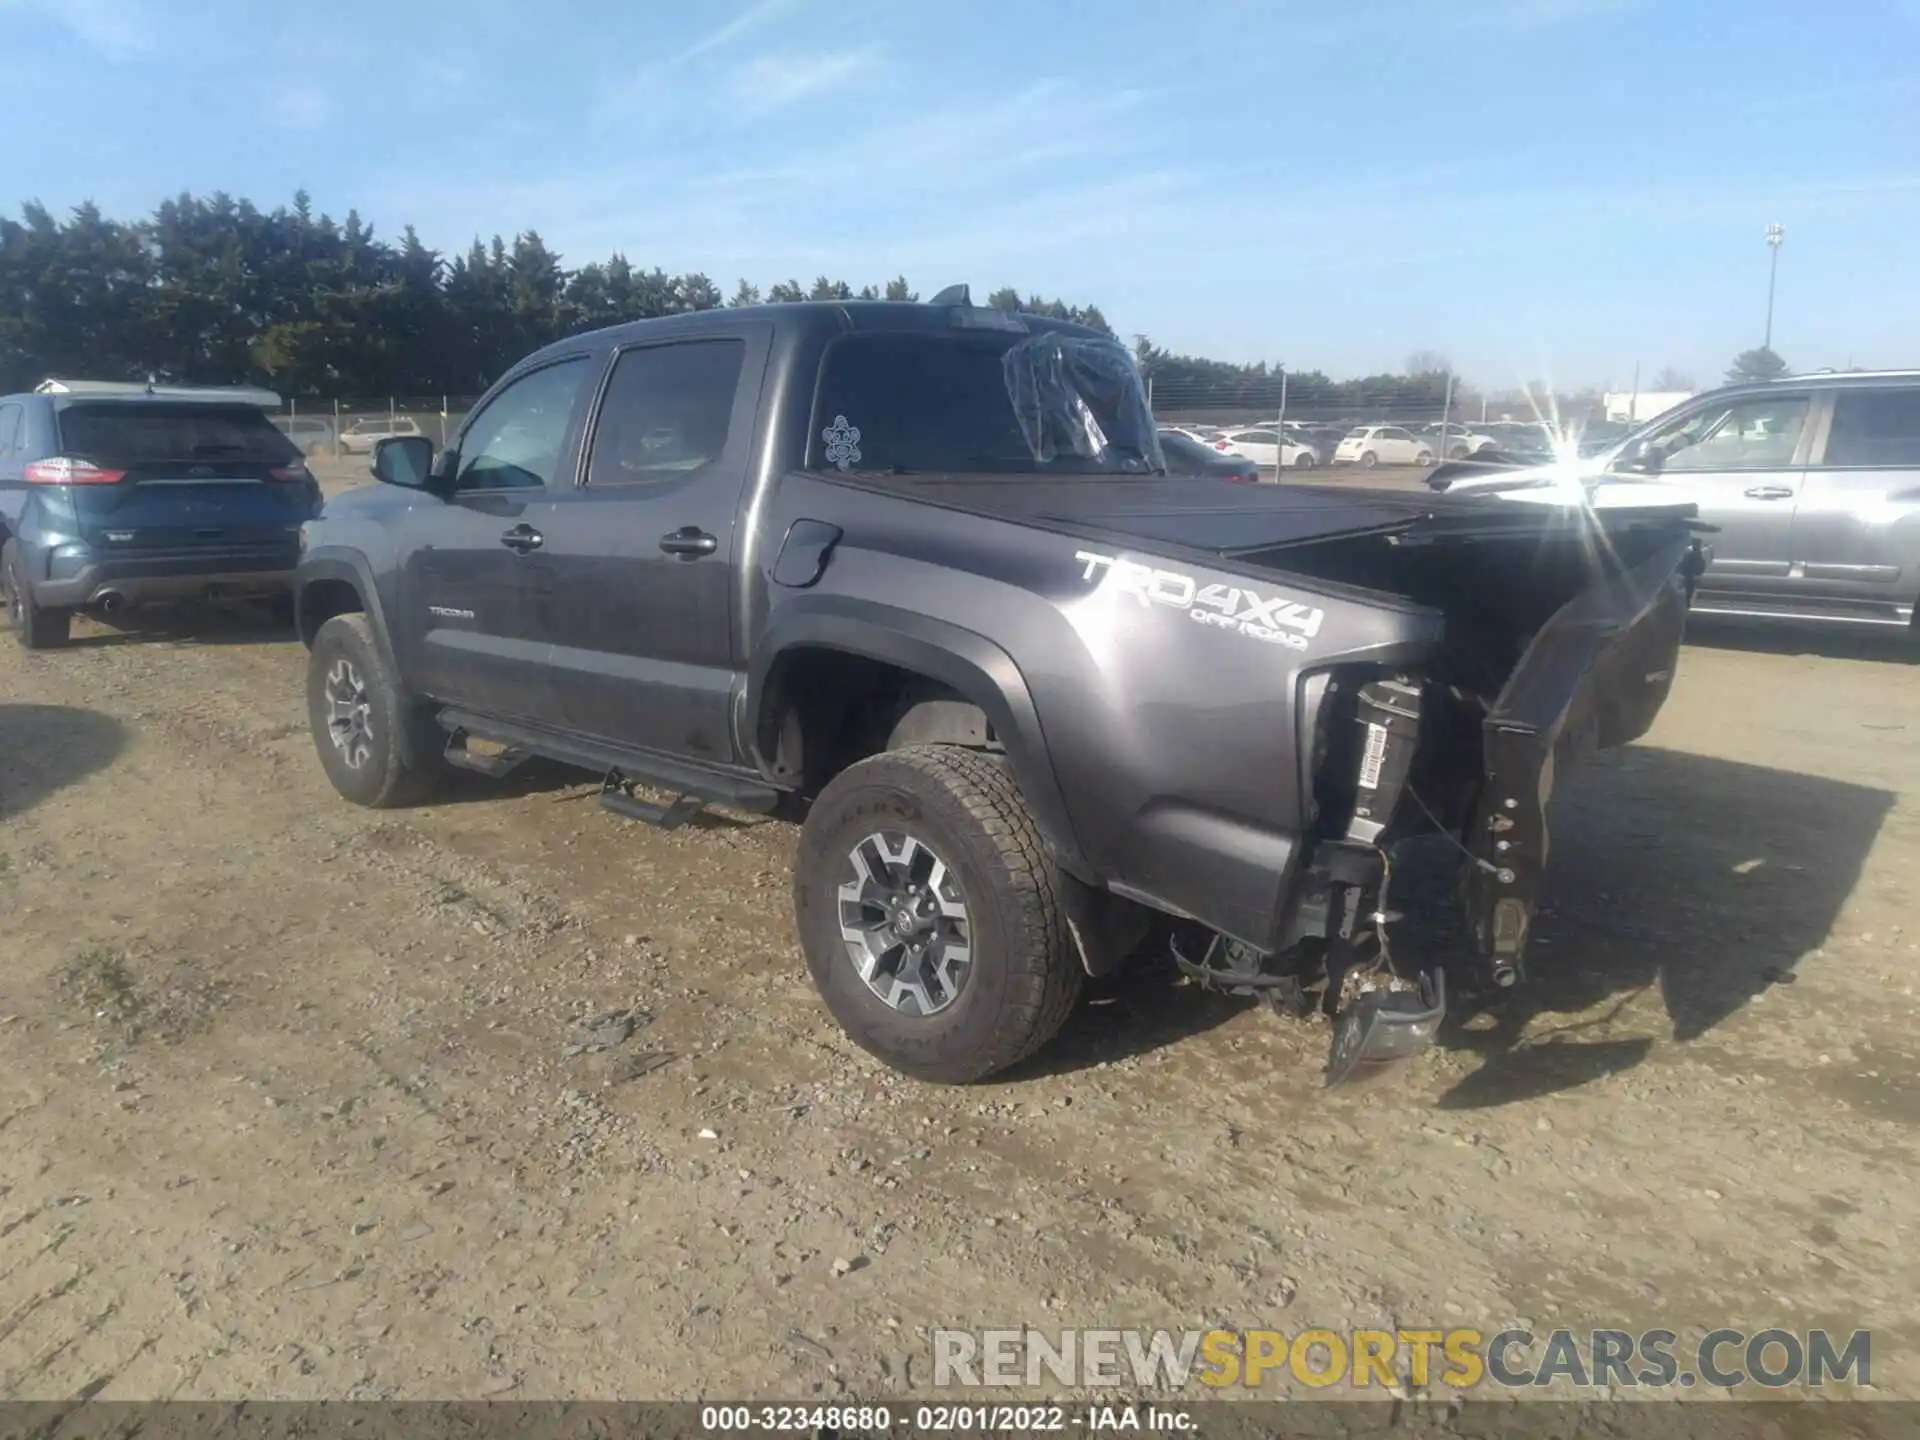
(338, 428)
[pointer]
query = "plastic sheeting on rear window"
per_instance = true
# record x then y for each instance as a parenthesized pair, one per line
(1075, 396)
(974, 401)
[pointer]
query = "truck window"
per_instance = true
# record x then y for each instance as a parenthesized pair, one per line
(970, 402)
(666, 412)
(517, 441)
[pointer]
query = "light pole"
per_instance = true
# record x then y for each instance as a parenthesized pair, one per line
(1776, 237)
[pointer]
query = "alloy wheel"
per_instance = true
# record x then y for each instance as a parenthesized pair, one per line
(904, 920)
(349, 713)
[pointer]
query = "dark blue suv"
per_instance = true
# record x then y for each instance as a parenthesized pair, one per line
(114, 495)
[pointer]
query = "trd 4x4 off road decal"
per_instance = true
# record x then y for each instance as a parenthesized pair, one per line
(1272, 618)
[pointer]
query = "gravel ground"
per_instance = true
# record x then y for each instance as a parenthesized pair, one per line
(296, 1100)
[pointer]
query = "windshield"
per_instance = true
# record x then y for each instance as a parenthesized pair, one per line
(1051, 403)
(134, 433)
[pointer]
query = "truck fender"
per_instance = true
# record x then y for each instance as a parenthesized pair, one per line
(970, 665)
(338, 563)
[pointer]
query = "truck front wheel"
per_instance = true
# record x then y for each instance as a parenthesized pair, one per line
(929, 912)
(376, 745)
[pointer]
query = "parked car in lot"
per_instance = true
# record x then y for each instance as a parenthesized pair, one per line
(1372, 445)
(1322, 437)
(1266, 448)
(914, 566)
(1812, 483)
(1188, 456)
(1453, 440)
(1531, 441)
(114, 495)
(363, 434)
(311, 435)
(1199, 434)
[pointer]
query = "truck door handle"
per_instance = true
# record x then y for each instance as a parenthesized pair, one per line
(1770, 492)
(689, 542)
(523, 538)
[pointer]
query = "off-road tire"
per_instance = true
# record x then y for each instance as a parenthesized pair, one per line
(35, 626)
(404, 744)
(1025, 974)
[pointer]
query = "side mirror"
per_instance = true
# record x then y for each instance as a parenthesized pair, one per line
(404, 460)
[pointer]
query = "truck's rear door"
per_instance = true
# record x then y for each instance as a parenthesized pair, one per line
(642, 554)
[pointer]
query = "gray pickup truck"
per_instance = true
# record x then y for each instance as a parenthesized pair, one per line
(918, 571)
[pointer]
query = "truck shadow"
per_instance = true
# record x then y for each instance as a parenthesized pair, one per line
(1700, 881)
(1142, 1007)
(45, 748)
(1888, 647)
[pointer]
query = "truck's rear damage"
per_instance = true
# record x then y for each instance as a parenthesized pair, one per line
(1561, 636)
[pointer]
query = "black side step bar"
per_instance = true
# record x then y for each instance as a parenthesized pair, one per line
(616, 794)
(695, 786)
(505, 763)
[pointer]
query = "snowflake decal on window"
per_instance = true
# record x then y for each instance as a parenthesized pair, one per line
(843, 443)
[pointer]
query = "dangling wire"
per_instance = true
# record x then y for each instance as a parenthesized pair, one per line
(1381, 913)
(1450, 837)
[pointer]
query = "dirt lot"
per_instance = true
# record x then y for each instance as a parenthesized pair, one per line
(291, 1100)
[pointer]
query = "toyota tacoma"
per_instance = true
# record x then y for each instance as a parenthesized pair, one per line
(917, 571)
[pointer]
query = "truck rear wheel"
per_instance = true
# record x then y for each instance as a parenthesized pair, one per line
(928, 909)
(375, 744)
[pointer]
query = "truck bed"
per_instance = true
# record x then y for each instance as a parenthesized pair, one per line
(1229, 520)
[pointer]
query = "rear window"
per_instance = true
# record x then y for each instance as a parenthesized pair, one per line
(133, 433)
(1875, 427)
(1045, 403)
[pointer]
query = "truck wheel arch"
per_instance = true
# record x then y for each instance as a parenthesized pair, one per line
(967, 665)
(338, 582)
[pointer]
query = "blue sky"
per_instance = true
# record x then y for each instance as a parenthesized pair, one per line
(1554, 188)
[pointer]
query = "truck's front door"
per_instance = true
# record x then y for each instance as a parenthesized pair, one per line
(1742, 461)
(644, 549)
(478, 592)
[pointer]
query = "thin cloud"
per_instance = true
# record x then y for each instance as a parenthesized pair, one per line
(771, 82)
(113, 29)
(745, 23)
(634, 91)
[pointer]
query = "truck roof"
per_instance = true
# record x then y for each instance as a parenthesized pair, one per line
(842, 315)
